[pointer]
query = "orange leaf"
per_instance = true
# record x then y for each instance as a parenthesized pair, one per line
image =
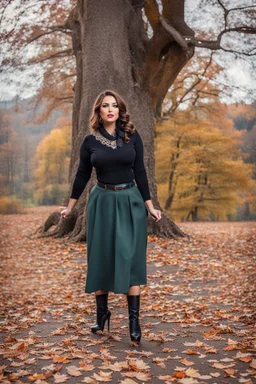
(191, 352)
(191, 372)
(37, 376)
(59, 378)
(186, 362)
(246, 359)
(142, 376)
(73, 370)
(61, 359)
(103, 376)
(128, 381)
(211, 350)
(230, 372)
(86, 367)
(168, 350)
(138, 365)
(230, 347)
(179, 375)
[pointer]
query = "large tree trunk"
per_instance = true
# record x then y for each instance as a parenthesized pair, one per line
(113, 52)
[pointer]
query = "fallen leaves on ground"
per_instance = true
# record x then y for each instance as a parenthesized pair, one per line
(197, 311)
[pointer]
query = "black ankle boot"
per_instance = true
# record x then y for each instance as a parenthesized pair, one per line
(103, 313)
(134, 325)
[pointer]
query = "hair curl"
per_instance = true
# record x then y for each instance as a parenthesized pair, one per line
(124, 118)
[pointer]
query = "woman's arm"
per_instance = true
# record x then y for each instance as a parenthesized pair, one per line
(139, 170)
(142, 180)
(81, 179)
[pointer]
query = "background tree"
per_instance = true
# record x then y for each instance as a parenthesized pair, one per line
(8, 156)
(35, 45)
(154, 43)
(200, 169)
(193, 86)
(244, 117)
(51, 165)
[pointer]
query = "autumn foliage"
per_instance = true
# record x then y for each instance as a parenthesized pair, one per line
(10, 205)
(51, 164)
(200, 170)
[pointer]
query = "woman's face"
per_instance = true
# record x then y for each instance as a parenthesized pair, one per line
(109, 110)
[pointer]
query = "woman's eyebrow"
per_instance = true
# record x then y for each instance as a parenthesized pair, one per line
(108, 103)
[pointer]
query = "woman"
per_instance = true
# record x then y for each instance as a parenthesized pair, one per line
(117, 209)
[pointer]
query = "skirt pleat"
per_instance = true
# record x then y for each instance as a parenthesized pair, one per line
(116, 240)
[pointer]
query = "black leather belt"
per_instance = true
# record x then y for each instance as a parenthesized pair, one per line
(117, 187)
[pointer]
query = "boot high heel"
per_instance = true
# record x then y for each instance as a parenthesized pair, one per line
(103, 313)
(134, 325)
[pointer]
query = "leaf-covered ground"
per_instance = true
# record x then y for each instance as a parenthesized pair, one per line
(197, 311)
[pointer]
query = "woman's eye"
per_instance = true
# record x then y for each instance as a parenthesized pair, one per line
(106, 105)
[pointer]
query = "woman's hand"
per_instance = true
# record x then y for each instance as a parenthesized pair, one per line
(65, 213)
(155, 214)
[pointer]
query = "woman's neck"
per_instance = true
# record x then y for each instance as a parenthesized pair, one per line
(110, 127)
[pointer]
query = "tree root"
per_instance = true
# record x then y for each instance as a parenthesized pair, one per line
(75, 227)
(62, 226)
(165, 228)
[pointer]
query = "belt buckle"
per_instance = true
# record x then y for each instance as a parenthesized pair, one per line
(116, 188)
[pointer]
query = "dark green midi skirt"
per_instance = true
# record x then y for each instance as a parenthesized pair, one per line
(116, 240)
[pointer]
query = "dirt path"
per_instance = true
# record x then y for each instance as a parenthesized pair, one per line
(197, 311)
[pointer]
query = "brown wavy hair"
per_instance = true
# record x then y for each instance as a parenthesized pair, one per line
(124, 118)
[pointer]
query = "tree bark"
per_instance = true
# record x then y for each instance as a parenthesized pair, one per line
(112, 51)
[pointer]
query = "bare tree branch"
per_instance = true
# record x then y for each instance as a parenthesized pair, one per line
(241, 8)
(48, 75)
(216, 44)
(160, 70)
(187, 76)
(64, 98)
(213, 92)
(58, 28)
(152, 13)
(59, 54)
(174, 33)
(174, 12)
(3, 9)
(24, 10)
(194, 84)
(225, 13)
(237, 52)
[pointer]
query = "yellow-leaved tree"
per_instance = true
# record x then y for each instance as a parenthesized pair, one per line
(199, 168)
(51, 164)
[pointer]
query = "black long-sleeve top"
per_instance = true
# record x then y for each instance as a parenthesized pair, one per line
(113, 166)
